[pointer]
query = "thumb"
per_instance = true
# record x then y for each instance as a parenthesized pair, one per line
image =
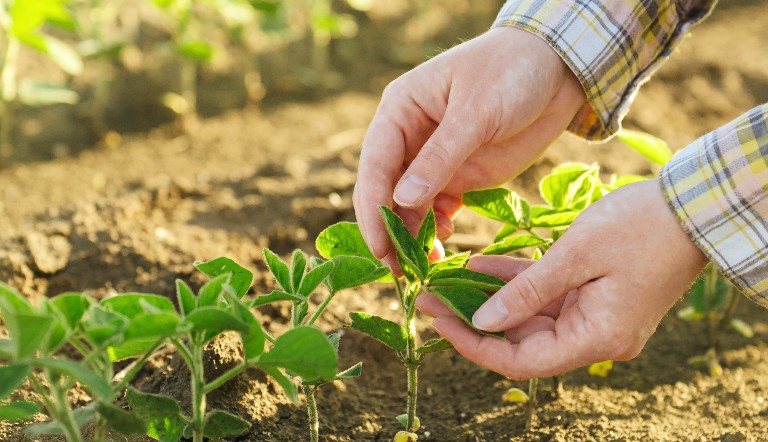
(450, 144)
(556, 274)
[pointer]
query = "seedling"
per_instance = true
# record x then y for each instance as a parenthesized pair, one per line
(566, 191)
(298, 281)
(713, 301)
(461, 289)
(21, 23)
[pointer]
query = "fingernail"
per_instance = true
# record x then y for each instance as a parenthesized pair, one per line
(490, 314)
(410, 191)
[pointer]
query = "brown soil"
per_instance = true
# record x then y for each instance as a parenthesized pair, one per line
(135, 216)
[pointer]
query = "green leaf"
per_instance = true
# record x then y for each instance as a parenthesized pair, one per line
(132, 349)
(555, 218)
(352, 372)
(464, 301)
(354, 271)
(11, 377)
(213, 319)
(219, 424)
(105, 326)
(196, 50)
(383, 330)
(240, 280)
(455, 261)
(6, 348)
(305, 351)
(335, 340)
(570, 186)
(434, 345)
(285, 383)
(512, 243)
(652, 148)
(467, 278)
(497, 204)
(427, 231)
(162, 413)
(298, 267)
(505, 231)
(71, 306)
(28, 332)
(18, 411)
(315, 277)
(279, 270)
(343, 239)
(122, 421)
(64, 55)
(87, 377)
(12, 301)
(276, 295)
(185, 297)
(82, 415)
(130, 304)
(211, 292)
(412, 259)
(152, 325)
(253, 339)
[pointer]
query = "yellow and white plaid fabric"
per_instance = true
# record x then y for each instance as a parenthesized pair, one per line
(613, 46)
(718, 188)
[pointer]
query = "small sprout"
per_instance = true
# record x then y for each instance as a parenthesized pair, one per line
(742, 328)
(403, 419)
(515, 395)
(601, 369)
(405, 436)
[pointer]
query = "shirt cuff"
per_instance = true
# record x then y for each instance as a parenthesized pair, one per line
(612, 47)
(718, 188)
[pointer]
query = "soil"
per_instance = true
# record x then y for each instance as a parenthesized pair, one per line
(135, 215)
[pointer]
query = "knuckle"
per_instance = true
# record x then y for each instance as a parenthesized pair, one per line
(623, 346)
(528, 296)
(436, 154)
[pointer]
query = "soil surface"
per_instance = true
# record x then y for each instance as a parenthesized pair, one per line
(134, 216)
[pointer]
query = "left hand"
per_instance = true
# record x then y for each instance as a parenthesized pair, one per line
(598, 294)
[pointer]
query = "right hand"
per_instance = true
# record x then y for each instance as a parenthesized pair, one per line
(473, 117)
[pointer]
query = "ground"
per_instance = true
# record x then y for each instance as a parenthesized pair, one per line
(135, 215)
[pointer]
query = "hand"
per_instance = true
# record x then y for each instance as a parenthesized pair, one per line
(597, 294)
(473, 117)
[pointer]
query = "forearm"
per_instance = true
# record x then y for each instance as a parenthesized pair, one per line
(718, 188)
(611, 46)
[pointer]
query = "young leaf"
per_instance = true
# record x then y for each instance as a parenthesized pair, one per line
(253, 339)
(352, 372)
(652, 148)
(285, 383)
(185, 297)
(276, 295)
(464, 301)
(353, 271)
(82, 415)
(18, 411)
(555, 218)
(152, 325)
(512, 243)
(305, 351)
(383, 330)
(28, 332)
(570, 186)
(467, 278)
(105, 326)
(211, 292)
(298, 267)
(71, 306)
(6, 349)
(12, 301)
(279, 270)
(434, 345)
(11, 377)
(87, 377)
(196, 50)
(335, 340)
(697, 296)
(315, 277)
(219, 424)
(240, 280)
(455, 261)
(132, 349)
(343, 239)
(505, 231)
(427, 231)
(212, 319)
(411, 257)
(130, 304)
(162, 413)
(123, 422)
(497, 204)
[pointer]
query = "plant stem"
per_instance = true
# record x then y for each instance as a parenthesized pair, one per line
(312, 418)
(321, 308)
(63, 412)
(198, 393)
(411, 358)
(219, 381)
(126, 375)
(533, 386)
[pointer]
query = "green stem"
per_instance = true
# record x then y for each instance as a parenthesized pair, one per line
(321, 308)
(269, 337)
(183, 351)
(312, 418)
(198, 393)
(533, 386)
(135, 367)
(221, 380)
(64, 413)
(411, 358)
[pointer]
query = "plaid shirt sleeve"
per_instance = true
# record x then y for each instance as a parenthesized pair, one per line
(718, 188)
(612, 46)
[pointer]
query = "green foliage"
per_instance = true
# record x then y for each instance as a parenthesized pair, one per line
(389, 333)
(652, 148)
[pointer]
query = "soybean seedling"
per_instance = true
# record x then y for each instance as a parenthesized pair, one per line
(461, 289)
(298, 281)
(566, 191)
